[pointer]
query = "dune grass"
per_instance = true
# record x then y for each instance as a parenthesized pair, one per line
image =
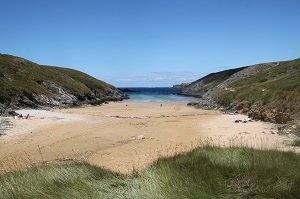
(207, 172)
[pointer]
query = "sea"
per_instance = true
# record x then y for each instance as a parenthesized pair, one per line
(156, 94)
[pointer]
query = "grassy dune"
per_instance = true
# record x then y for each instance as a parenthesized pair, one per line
(208, 172)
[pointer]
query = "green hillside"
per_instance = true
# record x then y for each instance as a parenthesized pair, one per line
(21, 78)
(278, 87)
(269, 92)
(200, 86)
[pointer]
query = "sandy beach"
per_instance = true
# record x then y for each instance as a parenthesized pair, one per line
(123, 138)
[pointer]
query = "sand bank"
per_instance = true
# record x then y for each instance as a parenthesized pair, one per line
(123, 138)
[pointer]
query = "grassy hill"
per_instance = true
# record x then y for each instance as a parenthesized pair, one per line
(270, 91)
(277, 87)
(24, 83)
(207, 172)
(203, 85)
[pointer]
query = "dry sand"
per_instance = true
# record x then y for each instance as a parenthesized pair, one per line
(123, 138)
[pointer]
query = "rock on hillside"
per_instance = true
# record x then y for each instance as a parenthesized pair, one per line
(269, 91)
(201, 86)
(26, 84)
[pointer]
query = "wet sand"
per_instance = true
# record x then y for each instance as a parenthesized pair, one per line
(123, 138)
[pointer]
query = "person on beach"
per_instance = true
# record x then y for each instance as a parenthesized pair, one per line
(27, 117)
(160, 105)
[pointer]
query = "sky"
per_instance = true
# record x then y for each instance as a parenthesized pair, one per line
(151, 43)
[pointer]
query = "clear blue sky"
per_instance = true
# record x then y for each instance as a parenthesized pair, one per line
(150, 42)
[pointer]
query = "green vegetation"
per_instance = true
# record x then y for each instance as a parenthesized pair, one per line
(19, 77)
(209, 81)
(295, 142)
(207, 172)
(278, 87)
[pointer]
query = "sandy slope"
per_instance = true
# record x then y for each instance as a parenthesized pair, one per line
(121, 137)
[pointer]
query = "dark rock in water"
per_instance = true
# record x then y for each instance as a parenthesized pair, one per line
(127, 90)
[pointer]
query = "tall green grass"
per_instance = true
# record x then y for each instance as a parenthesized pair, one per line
(207, 172)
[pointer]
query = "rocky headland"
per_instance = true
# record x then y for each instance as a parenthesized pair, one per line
(25, 84)
(268, 92)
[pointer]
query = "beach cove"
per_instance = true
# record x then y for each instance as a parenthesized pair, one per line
(123, 136)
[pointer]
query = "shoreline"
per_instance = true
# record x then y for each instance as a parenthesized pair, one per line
(122, 138)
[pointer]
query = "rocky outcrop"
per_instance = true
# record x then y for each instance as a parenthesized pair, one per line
(60, 97)
(6, 110)
(257, 111)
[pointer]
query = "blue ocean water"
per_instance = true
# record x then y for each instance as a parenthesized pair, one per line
(160, 94)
